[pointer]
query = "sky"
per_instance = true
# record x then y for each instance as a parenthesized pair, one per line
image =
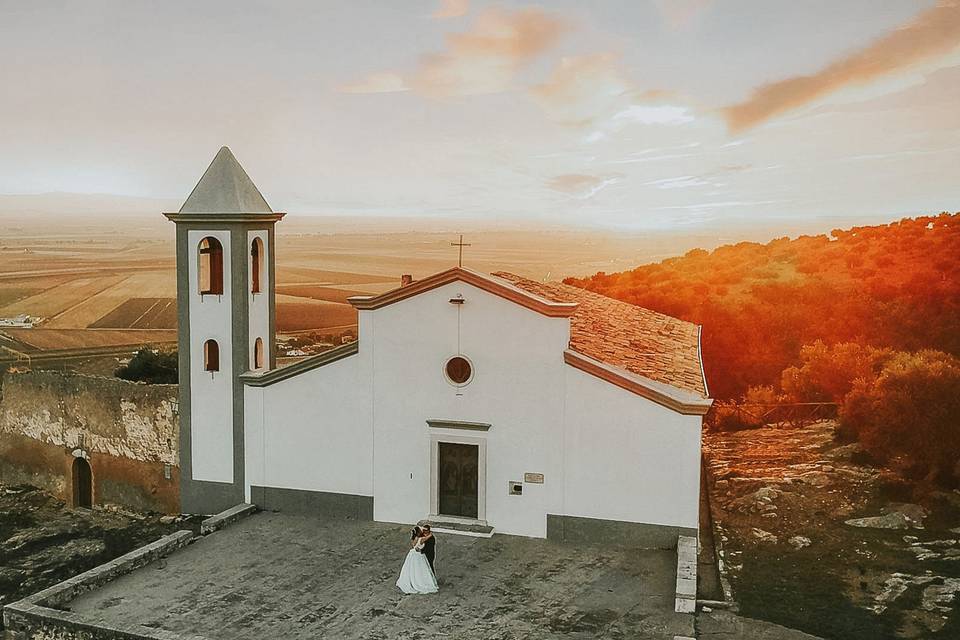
(632, 114)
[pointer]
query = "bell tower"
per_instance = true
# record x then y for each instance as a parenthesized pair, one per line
(226, 325)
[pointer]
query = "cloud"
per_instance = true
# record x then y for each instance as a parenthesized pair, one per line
(681, 182)
(932, 33)
(681, 13)
(582, 89)
(451, 9)
(582, 186)
(487, 57)
(594, 91)
(655, 114)
(384, 82)
(484, 59)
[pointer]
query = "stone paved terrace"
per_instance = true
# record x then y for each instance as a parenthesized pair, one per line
(283, 576)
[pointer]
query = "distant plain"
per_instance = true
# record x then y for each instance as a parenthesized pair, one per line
(102, 280)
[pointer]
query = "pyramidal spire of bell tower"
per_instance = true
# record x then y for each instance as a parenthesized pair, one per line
(226, 326)
(225, 188)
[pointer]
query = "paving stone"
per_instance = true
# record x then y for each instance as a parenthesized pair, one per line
(282, 576)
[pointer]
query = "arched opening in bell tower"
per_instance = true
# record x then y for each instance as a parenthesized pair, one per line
(210, 268)
(211, 356)
(258, 354)
(256, 264)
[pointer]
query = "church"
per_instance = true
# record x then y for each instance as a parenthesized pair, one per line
(483, 403)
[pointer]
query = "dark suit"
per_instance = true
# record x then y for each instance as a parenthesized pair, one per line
(430, 550)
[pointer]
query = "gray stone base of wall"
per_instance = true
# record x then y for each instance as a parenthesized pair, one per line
(199, 497)
(617, 532)
(331, 505)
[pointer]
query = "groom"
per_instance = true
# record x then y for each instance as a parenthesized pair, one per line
(429, 545)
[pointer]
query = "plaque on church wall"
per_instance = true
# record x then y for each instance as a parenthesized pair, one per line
(533, 478)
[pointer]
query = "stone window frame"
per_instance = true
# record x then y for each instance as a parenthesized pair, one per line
(481, 444)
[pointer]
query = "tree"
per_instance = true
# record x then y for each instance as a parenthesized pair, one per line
(911, 410)
(895, 285)
(827, 373)
(151, 366)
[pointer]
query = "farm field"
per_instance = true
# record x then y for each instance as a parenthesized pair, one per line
(141, 313)
(321, 292)
(55, 301)
(49, 339)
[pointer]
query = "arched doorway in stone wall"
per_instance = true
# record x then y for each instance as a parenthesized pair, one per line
(82, 483)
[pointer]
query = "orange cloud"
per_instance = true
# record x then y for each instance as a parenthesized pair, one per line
(486, 58)
(451, 9)
(934, 32)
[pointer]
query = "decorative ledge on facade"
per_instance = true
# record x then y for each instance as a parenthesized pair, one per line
(458, 424)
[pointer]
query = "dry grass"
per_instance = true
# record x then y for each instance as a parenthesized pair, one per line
(318, 292)
(44, 339)
(296, 314)
(294, 272)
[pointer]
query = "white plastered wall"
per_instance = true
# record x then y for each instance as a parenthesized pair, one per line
(259, 303)
(628, 458)
(211, 394)
(311, 432)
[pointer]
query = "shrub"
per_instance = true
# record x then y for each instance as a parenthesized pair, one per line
(154, 367)
(762, 394)
(910, 413)
(726, 416)
(827, 373)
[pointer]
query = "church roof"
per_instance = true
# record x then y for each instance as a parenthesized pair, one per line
(225, 188)
(655, 346)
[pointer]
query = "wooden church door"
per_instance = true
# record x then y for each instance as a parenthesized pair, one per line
(459, 465)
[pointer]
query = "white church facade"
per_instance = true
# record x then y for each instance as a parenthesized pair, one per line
(485, 402)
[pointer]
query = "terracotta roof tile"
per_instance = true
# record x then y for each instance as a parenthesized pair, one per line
(620, 334)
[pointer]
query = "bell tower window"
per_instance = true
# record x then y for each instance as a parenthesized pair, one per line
(210, 271)
(256, 264)
(258, 354)
(211, 356)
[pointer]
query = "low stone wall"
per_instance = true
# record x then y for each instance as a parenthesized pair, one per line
(40, 616)
(127, 433)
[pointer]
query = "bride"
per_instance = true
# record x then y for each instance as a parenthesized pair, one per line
(416, 575)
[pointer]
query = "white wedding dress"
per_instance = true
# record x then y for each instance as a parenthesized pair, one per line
(416, 575)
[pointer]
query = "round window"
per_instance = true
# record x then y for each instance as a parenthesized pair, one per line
(459, 370)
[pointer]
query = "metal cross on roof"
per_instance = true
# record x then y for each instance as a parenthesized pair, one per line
(460, 245)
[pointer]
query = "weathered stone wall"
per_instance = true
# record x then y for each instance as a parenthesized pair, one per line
(126, 431)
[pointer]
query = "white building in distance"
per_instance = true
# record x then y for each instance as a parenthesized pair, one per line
(483, 402)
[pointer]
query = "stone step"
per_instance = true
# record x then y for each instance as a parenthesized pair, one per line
(439, 525)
